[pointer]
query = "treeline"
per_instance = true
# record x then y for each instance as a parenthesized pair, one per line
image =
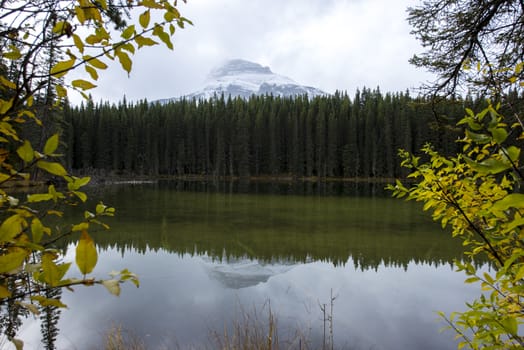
(331, 136)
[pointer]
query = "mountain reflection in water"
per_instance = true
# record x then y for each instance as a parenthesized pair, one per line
(243, 273)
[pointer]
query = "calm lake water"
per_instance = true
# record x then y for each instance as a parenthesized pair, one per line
(211, 257)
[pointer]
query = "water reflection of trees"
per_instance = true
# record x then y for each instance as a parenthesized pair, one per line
(13, 314)
(276, 221)
(398, 252)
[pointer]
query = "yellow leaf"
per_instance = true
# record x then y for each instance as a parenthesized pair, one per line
(93, 39)
(103, 4)
(78, 43)
(86, 255)
(37, 229)
(520, 274)
(82, 84)
(31, 307)
(81, 195)
(52, 273)
(80, 227)
(95, 62)
(159, 31)
(92, 72)
(125, 61)
(61, 68)
(128, 47)
(151, 4)
(12, 55)
(113, 286)
(52, 168)
(4, 292)
(19, 345)
(5, 105)
(11, 227)
(80, 14)
(7, 83)
(14, 259)
(48, 301)
(128, 32)
(51, 145)
(61, 91)
(144, 19)
(26, 152)
(142, 41)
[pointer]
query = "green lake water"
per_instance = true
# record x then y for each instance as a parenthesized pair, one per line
(207, 255)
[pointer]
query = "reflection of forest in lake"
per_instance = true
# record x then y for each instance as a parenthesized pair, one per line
(205, 250)
(216, 220)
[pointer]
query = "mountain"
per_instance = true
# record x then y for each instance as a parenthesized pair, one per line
(243, 78)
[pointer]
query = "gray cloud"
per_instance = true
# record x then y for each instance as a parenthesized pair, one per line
(332, 45)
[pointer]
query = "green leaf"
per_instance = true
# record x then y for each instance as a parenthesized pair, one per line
(510, 325)
(81, 195)
(513, 153)
(82, 84)
(471, 280)
(80, 182)
(514, 200)
(113, 286)
(499, 135)
(51, 145)
(488, 166)
(478, 138)
(62, 68)
(39, 197)
(86, 255)
(52, 167)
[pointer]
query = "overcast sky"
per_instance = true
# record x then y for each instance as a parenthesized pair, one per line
(328, 44)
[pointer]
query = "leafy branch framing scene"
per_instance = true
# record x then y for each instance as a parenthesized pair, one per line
(477, 47)
(473, 48)
(41, 42)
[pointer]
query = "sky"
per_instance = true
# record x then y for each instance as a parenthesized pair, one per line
(328, 44)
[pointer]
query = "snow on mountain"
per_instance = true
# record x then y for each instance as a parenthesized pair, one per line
(243, 79)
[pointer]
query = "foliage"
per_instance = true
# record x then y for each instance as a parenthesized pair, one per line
(40, 43)
(457, 34)
(477, 193)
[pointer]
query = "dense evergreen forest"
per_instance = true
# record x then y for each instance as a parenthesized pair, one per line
(331, 136)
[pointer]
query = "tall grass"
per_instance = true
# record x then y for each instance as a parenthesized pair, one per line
(253, 329)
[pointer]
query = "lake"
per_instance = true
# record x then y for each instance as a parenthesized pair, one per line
(212, 257)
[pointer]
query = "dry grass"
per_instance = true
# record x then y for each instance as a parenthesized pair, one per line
(257, 330)
(118, 339)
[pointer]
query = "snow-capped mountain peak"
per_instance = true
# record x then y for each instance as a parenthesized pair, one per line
(241, 78)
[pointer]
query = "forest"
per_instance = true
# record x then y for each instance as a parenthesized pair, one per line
(326, 137)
